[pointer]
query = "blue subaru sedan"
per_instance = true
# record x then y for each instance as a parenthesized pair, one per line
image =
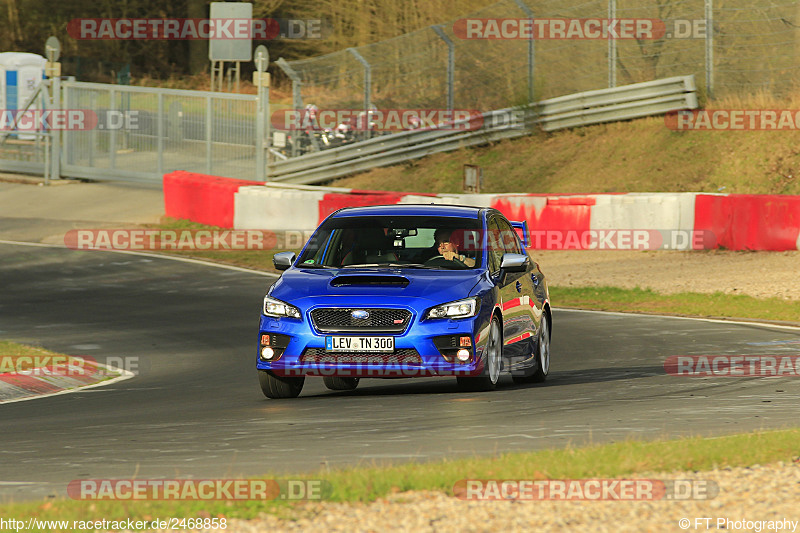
(400, 291)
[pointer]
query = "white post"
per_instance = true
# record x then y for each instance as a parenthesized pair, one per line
(612, 46)
(709, 6)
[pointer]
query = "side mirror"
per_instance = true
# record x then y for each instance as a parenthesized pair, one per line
(283, 260)
(514, 262)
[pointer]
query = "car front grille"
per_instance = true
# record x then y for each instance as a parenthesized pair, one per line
(379, 320)
(401, 356)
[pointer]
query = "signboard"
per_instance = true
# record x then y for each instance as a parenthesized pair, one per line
(473, 178)
(52, 49)
(231, 49)
(262, 58)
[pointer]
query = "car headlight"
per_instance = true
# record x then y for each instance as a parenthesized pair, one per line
(273, 307)
(459, 309)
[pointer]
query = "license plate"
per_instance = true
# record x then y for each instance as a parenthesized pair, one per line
(359, 344)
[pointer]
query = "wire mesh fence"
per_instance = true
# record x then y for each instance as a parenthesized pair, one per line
(733, 47)
(142, 133)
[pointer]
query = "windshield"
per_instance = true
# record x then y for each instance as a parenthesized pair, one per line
(404, 241)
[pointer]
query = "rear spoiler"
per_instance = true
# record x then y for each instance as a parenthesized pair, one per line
(522, 227)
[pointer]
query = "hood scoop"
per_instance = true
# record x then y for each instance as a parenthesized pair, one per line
(369, 281)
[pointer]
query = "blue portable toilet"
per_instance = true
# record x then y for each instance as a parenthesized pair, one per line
(20, 75)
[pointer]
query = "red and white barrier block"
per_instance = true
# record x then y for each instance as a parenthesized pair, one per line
(630, 221)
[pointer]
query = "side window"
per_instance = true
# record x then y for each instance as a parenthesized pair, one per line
(495, 245)
(510, 239)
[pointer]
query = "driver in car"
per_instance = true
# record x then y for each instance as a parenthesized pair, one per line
(447, 245)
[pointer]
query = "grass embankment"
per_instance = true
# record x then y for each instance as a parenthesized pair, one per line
(15, 357)
(638, 300)
(14, 349)
(22, 361)
(635, 156)
(622, 459)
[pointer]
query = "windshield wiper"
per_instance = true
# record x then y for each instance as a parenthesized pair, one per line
(362, 265)
(412, 265)
(395, 265)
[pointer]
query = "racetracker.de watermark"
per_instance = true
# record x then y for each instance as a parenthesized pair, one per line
(579, 28)
(558, 28)
(733, 365)
(185, 239)
(47, 119)
(621, 239)
(371, 366)
(47, 365)
(198, 489)
(586, 489)
(169, 29)
(70, 365)
(67, 120)
(733, 120)
(388, 120)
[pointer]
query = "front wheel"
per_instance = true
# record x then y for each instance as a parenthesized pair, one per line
(280, 387)
(542, 353)
(491, 364)
(542, 356)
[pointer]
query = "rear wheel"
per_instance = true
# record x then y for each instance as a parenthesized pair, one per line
(491, 364)
(280, 387)
(337, 383)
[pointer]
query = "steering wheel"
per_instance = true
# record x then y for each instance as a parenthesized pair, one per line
(439, 260)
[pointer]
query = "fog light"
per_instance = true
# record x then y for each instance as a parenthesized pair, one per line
(462, 355)
(267, 353)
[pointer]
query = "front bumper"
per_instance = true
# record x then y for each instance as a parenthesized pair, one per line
(415, 353)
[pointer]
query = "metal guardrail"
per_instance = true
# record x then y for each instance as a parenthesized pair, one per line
(218, 133)
(581, 109)
(622, 103)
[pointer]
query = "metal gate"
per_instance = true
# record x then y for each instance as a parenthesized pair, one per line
(25, 151)
(142, 133)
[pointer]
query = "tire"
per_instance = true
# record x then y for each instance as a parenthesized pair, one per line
(337, 383)
(491, 368)
(542, 356)
(542, 352)
(277, 387)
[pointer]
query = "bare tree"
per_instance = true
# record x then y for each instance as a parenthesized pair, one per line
(650, 50)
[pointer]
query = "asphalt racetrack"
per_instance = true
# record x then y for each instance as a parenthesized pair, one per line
(196, 410)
